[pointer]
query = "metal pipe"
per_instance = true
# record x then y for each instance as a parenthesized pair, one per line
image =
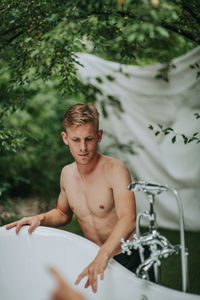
(152, 189)
(182, 241)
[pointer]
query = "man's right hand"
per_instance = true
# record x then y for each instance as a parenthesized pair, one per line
(34, 222)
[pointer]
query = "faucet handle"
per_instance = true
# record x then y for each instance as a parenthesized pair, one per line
(148, 187)
(126, 246)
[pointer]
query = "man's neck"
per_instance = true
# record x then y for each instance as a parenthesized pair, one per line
(85, 170)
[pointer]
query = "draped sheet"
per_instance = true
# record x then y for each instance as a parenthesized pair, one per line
(147, 100)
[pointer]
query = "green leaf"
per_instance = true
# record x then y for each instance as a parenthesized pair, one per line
(110, 78)
(173, 139)
(99, 79)
(162, 31)
(151, 127)
(169, 129)
(185, 139)
(190, 140)
(197, 115)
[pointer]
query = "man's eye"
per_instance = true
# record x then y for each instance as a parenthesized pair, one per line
(75, 140)
(89, 139)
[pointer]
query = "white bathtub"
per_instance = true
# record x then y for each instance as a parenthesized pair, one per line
(24, 275)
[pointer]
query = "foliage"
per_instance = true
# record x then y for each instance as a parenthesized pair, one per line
(39, 42)
(186, 138)
(11, 100)
(36, 166)
(196, 66)
(41, 39)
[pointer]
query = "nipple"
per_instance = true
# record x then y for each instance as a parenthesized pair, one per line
(101, 206)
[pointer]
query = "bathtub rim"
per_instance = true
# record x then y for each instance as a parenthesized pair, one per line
(112, 264)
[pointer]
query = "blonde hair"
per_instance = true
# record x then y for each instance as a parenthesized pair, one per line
(80, 114)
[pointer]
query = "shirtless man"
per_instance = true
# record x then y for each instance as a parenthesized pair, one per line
(94, 188)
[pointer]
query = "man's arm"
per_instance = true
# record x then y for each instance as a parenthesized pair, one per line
(119, 178)
(61, 215)
(125, 208)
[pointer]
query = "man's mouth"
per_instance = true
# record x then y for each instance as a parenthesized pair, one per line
(83, 155)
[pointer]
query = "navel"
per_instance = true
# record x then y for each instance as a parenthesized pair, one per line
(101, 206)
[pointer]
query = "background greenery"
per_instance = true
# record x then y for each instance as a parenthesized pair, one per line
(38, 81)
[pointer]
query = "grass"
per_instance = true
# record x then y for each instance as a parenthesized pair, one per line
(170, 267)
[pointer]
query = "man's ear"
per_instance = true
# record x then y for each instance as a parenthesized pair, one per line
(100, 134)
(65, 137)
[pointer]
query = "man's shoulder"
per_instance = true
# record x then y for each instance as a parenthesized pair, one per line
(113, 163)
(116, 172)
(67, 169)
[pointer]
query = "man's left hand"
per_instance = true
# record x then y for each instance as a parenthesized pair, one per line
(97, 267)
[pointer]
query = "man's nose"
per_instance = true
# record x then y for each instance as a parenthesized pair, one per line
(83, 146)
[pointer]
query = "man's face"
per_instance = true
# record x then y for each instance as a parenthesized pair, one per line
(82, 141)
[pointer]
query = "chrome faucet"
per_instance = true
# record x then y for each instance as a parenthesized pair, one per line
(159, 245)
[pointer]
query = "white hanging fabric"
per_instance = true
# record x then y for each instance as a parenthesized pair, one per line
(147, 100)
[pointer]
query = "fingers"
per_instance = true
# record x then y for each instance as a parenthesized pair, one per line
(57, 275)
(18, 227)
(81, 276)
(64, 291)
(17, 224)
(94, 281)
(92, 278)
(11, 225)
(32, 227)
(20, 224)
(32, 221)
(101, 275)
(87, 284)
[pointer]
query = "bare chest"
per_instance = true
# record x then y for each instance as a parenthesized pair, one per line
(91, 197)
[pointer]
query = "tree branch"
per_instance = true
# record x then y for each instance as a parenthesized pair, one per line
(182, 32)
(170, 27)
